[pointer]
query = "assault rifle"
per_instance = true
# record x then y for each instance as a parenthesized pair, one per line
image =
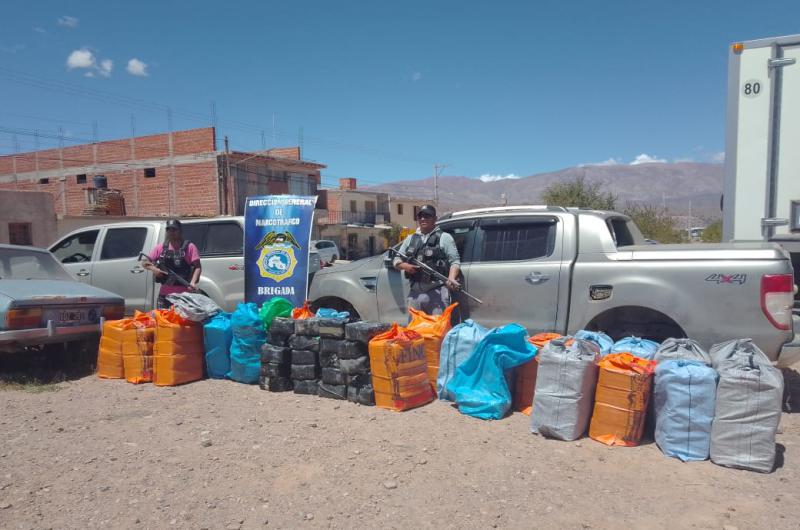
(436, 274)
(166, 270)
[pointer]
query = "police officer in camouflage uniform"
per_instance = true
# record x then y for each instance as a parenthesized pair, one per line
(437, 250)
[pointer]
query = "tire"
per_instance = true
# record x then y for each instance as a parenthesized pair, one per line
(364, 331)
(305, 372)
(301, 342)
(301, 357)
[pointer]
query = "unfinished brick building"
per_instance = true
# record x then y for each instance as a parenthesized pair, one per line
(174, 174)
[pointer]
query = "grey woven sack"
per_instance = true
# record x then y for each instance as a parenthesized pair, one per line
(565, 385)
(194, 306)
(681, 350)
(748, 409)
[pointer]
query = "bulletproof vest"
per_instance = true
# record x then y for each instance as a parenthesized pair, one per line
(432, 255)
(175, 260)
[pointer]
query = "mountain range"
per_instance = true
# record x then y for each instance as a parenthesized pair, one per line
(683, 187)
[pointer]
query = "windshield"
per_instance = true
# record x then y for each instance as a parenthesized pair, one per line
(21, 264)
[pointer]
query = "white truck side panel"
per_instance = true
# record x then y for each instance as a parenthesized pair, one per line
(788, 185)
(752, 146)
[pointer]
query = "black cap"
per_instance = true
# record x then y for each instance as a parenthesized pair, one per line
(427, 209)
(174, 223)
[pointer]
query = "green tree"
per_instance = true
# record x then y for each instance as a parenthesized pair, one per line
(579, 193)
(392, 235)
(655, 223)
(713, 232)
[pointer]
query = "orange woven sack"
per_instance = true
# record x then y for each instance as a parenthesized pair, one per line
(433, 328)
(109, 354)
(399, 370)
(302, 313)
(178, 349)
(623, 391)
(525, 382)
(137, 351)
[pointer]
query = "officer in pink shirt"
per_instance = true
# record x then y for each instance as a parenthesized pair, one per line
(178, 255)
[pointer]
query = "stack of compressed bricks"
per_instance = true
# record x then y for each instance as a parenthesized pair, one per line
(345, 361)
(304, 344)
(276, 357)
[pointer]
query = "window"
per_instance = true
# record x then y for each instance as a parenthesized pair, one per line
(80, 179)
(77, 248)
(149, 172)
(20, 234)
(353, 206)
(44, 181)
(224, 239)
(399, 209)
(463, 234)
(123, 243)
(416, 211)
(369, 206)
(21, 265)
(621, 232)
(516, 239)
(196, 233)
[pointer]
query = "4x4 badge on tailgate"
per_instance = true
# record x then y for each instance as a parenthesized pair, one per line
(738, 279)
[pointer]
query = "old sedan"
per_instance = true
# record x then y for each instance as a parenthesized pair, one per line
(40, 303)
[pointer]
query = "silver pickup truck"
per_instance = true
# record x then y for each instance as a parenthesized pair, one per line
(107, 256)
(557, 269)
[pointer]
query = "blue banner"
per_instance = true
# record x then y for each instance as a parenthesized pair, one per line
(277, 234)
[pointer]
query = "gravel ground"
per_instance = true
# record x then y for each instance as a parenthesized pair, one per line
(216, 454)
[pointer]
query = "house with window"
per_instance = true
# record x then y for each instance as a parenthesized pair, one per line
(404, 210)
(177, 174)
(27, 218)
(355, 219)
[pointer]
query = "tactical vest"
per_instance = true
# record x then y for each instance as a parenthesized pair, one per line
(432, 255)
(175, 260)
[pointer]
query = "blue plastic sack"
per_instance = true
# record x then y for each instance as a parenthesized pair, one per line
(603, 341)
(457, 346)
(646, 349)
(479, 384)
(324, 312)
(684, 398)
(248, 337)
(217, 337)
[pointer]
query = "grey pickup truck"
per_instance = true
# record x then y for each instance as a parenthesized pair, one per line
(561, 270)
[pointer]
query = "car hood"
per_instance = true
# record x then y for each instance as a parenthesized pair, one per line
(374, 262)
(54, 292)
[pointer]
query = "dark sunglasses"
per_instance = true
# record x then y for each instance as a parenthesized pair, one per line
(172, 229)
(424, 216)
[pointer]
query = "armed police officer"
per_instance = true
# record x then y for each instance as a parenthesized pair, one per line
(174, 258)
(437, 250)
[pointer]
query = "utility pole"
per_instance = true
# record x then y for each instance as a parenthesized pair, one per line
(437, 168)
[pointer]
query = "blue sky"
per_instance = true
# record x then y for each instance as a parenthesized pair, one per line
(383, 90)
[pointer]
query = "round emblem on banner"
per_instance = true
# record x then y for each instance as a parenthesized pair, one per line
(277, 262)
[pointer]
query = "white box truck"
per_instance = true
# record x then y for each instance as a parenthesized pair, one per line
(761, 199)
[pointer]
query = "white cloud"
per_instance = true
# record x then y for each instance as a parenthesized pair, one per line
(718, 158)
(647, 159)
(106, 65)
(12, 48)
(89, 74)
(40, 30)
(82, 58)
(68, 21)
(137, 67)
(416, 76)
(487, 177)
(607, 162)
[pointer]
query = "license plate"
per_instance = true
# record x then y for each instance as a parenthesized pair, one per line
(71, 316)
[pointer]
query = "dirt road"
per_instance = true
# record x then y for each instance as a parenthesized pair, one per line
(217, 454)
